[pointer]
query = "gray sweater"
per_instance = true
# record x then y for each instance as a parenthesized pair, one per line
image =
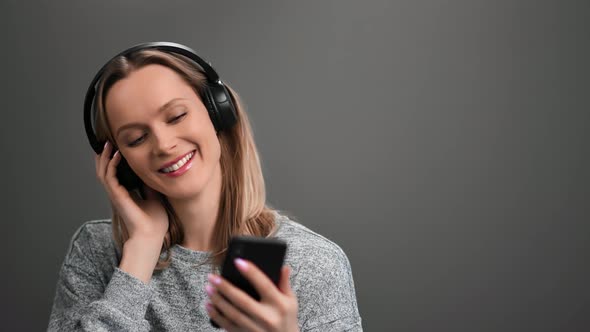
(93, 294)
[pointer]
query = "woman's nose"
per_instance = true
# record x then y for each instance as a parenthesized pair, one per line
(165, 141)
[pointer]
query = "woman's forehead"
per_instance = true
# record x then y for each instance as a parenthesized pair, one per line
(146, 90)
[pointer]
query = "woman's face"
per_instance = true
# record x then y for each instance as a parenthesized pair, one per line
(149, 138)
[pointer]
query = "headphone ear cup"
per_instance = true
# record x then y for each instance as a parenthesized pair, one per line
(224, 107)
(211, 109)
(127, 178)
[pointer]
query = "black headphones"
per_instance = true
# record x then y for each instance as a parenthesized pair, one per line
(215, 96)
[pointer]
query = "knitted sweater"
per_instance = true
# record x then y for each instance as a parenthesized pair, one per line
(93, 294)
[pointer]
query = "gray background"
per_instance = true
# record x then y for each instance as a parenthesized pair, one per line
(441, 144)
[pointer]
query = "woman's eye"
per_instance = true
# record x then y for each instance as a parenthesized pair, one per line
(178, 117)
(137, 141)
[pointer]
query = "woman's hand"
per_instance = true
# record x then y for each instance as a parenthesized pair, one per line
(146, 219)
(238, 311)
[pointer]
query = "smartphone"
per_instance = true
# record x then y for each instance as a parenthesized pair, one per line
(267, 254)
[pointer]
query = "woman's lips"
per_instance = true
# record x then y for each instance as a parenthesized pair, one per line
(176, 161)
(182, 169)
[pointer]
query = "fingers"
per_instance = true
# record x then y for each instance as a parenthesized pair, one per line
(106, 168)
(284, 284)
(98, 164)
(235, 295)
(106, 172)
(111, 172)
(271, 313)
(265, 287)
(219, 319)
(230, 311)
(102, 161)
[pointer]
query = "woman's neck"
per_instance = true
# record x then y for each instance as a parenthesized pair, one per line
(198, 214)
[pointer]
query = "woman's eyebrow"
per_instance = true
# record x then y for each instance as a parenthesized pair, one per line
(160, 110)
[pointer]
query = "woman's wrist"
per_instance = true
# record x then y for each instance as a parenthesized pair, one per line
(140, 257)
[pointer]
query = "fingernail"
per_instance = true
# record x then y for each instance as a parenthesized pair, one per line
(209, 289)
(214, 279)
(241, 264)
(105, 144)
(208, 306)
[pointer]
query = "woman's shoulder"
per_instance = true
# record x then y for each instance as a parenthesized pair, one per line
(322, 278)
(93, 233)
(93, 238)
(307, 245)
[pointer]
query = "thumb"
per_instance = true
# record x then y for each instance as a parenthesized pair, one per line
(284, 284)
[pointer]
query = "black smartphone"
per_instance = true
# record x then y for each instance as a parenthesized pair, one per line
(267, 254)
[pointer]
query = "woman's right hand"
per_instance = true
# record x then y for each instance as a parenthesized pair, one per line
(145, 219)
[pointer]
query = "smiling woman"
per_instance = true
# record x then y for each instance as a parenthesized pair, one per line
(185, 179)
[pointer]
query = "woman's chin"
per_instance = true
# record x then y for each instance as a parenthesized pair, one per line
(182, 191)
(183, 195)
(189, 185)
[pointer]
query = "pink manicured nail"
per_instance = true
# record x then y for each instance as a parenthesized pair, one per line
(208, 306)
(209, 289)
(214, 279)
(241, 264)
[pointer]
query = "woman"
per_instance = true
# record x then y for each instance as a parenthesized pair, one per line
(154, 265)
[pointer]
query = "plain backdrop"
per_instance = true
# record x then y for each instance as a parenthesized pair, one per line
(443, 145)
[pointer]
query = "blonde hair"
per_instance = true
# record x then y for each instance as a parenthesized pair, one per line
(242, 208)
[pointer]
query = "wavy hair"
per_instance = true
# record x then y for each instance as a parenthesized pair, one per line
(242, 208)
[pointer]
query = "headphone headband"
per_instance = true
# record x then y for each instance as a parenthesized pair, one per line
(216, 96)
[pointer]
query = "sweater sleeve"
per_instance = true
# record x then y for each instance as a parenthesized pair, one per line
(329, 293)
(83, 303)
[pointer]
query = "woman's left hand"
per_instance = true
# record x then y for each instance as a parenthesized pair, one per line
(238, 311)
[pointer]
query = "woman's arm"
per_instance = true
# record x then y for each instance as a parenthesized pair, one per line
(326, 294)
(83, 303)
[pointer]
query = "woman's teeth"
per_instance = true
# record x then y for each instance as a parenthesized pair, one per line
(179, 164)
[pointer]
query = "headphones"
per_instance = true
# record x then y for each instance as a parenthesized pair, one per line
(215, 96)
